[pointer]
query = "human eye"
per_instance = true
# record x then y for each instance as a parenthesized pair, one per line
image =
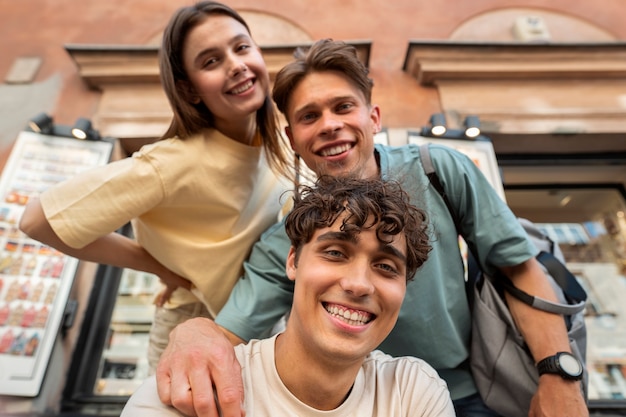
(388, 267)
(308, 117)
(333, 252)
(242, 47)
(344, 107)
(210, 62)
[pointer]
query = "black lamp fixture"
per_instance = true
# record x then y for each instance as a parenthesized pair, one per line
(438, 128)
(83, 130)
(438, 124)
(472, 126)
(41, 123)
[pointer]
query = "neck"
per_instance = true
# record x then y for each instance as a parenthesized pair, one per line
(321, 383)
(243, 131)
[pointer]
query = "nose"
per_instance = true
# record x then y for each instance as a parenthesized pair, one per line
(331, 123)
(237, 66)
(358, 281)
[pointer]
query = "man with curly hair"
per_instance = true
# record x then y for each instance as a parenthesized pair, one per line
(355, 243)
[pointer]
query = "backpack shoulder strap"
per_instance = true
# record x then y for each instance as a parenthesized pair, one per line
(473, 269)
(429, 170)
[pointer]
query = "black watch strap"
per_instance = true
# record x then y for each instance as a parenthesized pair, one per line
(564, 364)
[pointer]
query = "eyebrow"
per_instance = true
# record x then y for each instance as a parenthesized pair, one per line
(351, 237)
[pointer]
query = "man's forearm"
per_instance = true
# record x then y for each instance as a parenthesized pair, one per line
(544, 333)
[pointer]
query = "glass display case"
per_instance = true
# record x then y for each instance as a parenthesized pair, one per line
(123, 364)
(589, 224)
(110, 359)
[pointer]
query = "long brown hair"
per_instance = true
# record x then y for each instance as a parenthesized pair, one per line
(189, 118)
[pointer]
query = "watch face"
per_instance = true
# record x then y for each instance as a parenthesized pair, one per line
(570, 364)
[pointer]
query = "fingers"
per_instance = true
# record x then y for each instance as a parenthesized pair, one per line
(200, 396)
(229, 390)
(164, 296)
(193, 393)
(171, 279)
(164, 382)
(190, 401)
(198, 362)
(173, 376)
(170, 287)
(217, 388)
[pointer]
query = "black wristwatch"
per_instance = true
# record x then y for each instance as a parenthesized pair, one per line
(564, 364)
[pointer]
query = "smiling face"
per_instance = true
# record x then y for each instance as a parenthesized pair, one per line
(348, 291)
(332, 127)
(225, 70)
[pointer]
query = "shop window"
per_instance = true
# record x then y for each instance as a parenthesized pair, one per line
(589, 225)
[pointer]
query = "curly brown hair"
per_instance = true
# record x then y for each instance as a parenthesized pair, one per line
(366, 203)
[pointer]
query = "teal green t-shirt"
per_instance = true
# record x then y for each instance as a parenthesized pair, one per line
(434, 322)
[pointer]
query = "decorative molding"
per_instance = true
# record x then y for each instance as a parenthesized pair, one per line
(430, 62)
(133, 105)
(125, 64)
(526, 88)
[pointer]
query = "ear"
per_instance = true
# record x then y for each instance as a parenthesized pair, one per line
(291, 264)
(290, 136)
(188, 92)
(375, 117)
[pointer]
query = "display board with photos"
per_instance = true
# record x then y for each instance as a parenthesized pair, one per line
(35, 279)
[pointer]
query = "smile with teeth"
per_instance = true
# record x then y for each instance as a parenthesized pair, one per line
(352, 317)
(335, 150)
(244, 87)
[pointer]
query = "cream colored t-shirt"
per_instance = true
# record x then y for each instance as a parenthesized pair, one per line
(384, 387)
(196, 205)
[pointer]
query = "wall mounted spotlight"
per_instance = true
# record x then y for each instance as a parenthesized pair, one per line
(41, 123)
(472, 126)
(438, 124)
(438, 128)
(83, 130)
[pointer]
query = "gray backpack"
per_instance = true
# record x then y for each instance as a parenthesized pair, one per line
(501, 364)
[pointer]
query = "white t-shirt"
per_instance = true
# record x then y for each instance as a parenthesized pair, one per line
(384, 387)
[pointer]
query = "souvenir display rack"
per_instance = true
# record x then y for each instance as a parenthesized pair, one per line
(35, 280)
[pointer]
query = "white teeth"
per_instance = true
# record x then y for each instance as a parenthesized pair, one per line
(242, 88)
(336, 150)
(353, 318)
